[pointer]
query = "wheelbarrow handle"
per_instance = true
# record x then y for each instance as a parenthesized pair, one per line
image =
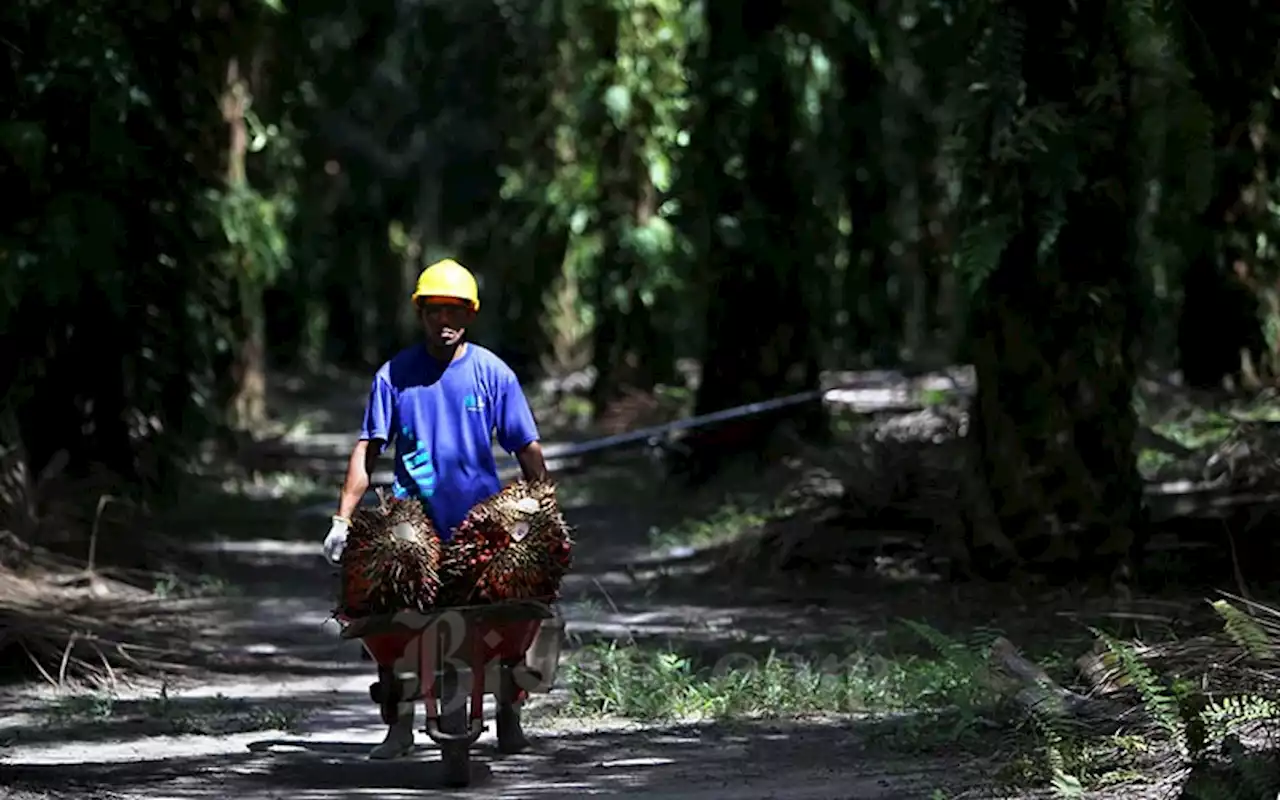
(440, 737)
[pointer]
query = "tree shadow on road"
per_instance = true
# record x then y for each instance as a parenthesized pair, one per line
(814, 759)
(98, 718)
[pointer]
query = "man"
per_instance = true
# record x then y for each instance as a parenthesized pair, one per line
(441, 403)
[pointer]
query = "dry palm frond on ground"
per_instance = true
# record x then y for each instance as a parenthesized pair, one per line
(1194, 701)
(392, 560)
(514, 545)
(65, 631)
(1243, 656)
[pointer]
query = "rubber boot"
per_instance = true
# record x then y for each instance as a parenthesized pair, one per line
(399, 740)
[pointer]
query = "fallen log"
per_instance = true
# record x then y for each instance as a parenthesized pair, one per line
(1026, 684)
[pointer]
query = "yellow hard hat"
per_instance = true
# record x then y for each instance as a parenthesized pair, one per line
(448, 278)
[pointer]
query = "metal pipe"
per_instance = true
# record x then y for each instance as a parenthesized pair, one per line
(574, 449)
(508, 466)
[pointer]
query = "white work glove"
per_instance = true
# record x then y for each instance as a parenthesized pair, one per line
(336, 541)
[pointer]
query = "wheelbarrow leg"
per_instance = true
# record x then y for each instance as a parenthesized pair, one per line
(455, 721)
(511, 738)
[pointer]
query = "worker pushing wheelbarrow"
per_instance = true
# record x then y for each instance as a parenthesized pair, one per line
(441, 404)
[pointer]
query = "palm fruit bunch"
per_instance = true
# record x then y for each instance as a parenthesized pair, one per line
(514, 545)
(392, 560)
(475, 543)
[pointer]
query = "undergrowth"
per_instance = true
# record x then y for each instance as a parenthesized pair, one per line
(661, 684)
(1189, 722)
(164, 715)
(734, 517)
(1173, 721)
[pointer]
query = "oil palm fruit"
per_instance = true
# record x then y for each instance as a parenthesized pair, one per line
(517, 546)
(391, 561)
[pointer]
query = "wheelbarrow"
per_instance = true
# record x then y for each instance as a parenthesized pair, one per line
(451, 658)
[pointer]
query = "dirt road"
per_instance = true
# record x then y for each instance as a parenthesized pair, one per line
(283, 663)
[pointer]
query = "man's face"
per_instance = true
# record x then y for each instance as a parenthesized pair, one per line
(445, 320)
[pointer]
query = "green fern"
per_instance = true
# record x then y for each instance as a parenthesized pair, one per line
(1245, 631)
(946, 646)
(1062, 781)
(1157, 698)
(979, 250)
(1197, 724)
(1225, 717)
(985, 124)
(1066, 786)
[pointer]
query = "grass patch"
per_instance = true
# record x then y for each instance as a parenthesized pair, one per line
(1150, 462)
(932, 695)
(736, 516)
(1198, 430)
(171, 586)
(165, 716)
(936, 397)
(1196, 427)
(643, 683)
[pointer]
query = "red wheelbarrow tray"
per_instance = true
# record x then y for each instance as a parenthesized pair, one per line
(515, 623)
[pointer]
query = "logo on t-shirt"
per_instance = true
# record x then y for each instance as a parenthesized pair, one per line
(416, 458)
(473, 403)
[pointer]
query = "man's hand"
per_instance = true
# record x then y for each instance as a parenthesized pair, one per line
(359, 467)
(336, 541)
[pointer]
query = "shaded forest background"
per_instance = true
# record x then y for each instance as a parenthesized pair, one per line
(674, 209)
(735, 201)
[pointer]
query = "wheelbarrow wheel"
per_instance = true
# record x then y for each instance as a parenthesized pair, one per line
(455, 720)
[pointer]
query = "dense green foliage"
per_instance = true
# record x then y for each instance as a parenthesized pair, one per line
(1060, 195)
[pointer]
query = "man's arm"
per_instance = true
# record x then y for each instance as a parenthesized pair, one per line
(375, 431)
(532, 464)
(360, 467)
(517, 430)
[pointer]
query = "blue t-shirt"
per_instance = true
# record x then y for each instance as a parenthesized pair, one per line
(442, 419)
